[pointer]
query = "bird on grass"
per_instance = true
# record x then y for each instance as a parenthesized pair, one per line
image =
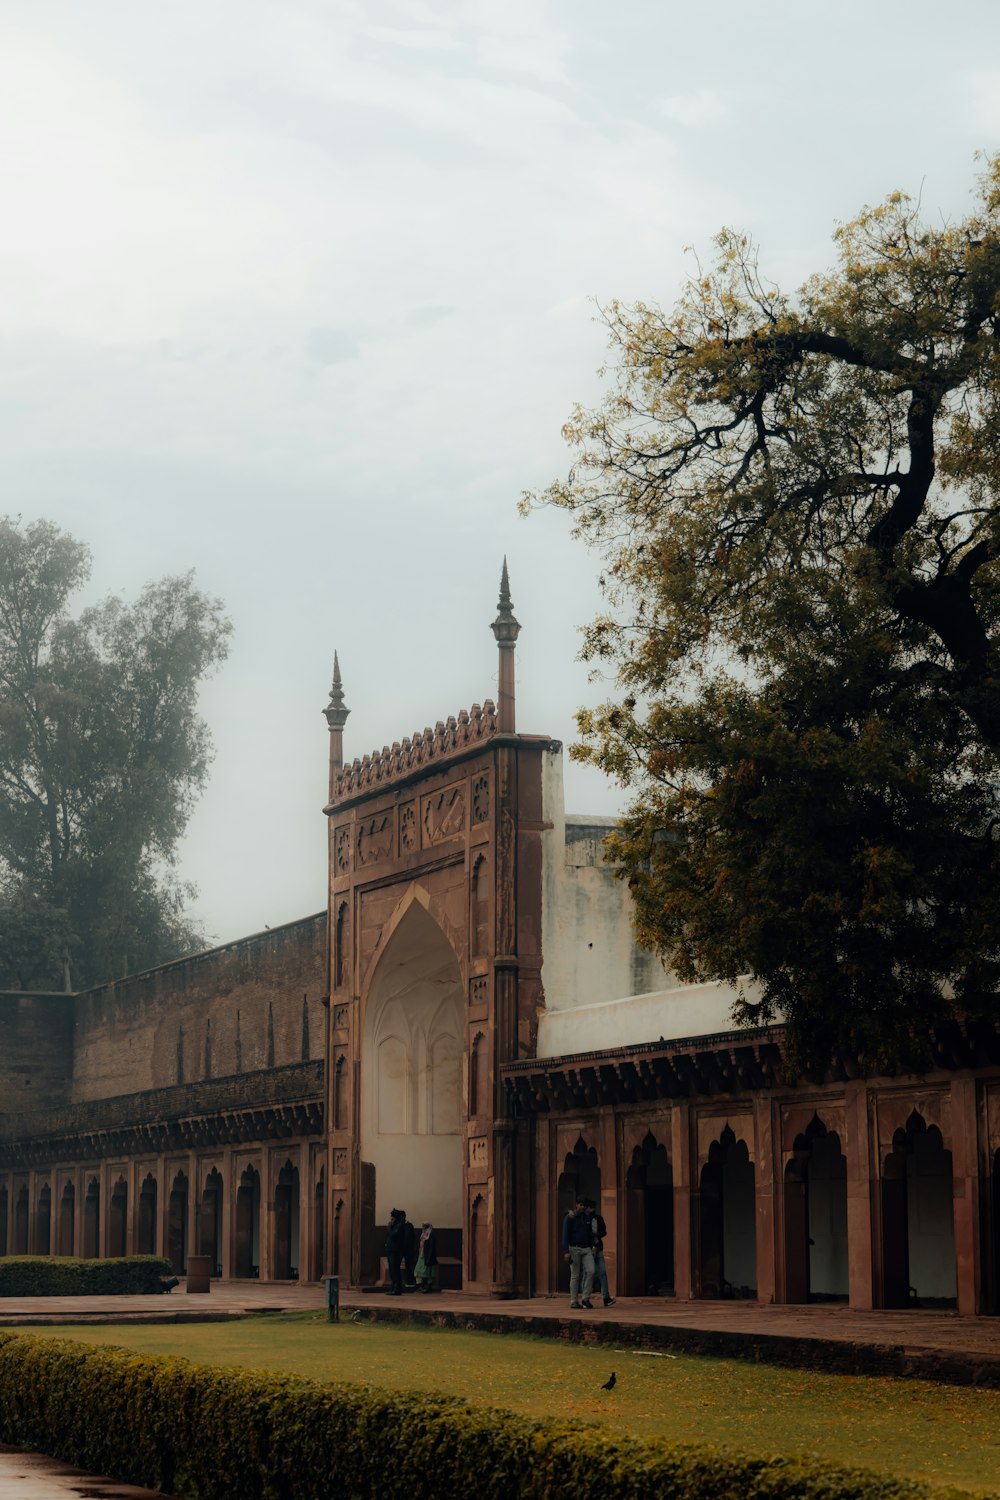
(609, 1384)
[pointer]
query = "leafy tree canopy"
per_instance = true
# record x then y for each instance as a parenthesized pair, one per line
(102, 753)
(797, 502)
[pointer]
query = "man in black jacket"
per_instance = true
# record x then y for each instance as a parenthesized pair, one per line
(394, 1246)
(577, 1244)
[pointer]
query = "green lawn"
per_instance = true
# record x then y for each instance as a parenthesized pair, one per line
(911, 1428)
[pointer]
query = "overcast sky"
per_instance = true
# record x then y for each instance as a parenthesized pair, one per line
(299, 293)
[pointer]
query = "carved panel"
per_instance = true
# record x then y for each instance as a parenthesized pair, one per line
(481, 799)
(409, 838)
(342, 846)
(478, 1151)
(478, 992)
(340, 1159)
(375, 837)
(444, 814)
(340, 1013)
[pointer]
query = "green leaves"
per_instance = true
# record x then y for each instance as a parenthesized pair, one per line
(102, 753)
(796, 504)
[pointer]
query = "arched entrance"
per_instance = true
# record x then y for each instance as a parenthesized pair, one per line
(146, 1227)
(246, 1256)
(815, 1209)
(92, 1220)
(728, 1220)
(210, 1221)
(286, 1224)
(918, 1226)
(411, 1092)
(319, 1227)
(67, 1221)
(649, 1222)
(43, 1222)
(579, 1178)
(118, 1219)
(177, 1224)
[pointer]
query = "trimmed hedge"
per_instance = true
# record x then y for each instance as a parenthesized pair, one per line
(233, 1434)
(65, 1276)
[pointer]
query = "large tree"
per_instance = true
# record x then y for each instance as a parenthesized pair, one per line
(102, 753)
(797, 502)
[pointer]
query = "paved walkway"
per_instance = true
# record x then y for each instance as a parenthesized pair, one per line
(31, 1476)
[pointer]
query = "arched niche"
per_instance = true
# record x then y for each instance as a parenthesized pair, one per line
(815, 1217)
(579, 1178)
(918, 1226)
(118, 1219)
(146, 1225)
(210, 1220)
(649, 1221)
(66, 1233)
(411, 1084)
(728, 1220)
(92, 1220)
(43, 1222)
(286, 1224)
(177, 1223)
(246, 1249)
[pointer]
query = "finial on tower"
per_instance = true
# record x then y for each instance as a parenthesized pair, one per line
(506, 630)
(336, 713)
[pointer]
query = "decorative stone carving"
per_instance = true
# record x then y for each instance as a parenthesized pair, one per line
(478, 992)
(409, 838)
(342, 842)
(481, 799)
(340, 1159)
(340, 1013)
(444, 814)
(478, 1151)
(375, 839)
(444, 740)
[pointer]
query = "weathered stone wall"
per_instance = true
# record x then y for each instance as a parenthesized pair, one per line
(36, 1050)
(252, 1004)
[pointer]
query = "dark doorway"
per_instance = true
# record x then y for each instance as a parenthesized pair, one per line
(92, 1220)
(118, 1219)
(43, 1222)
(4, 1201)
(728, 1220)
(21, 1221)
(177, 1224)
(246, 1260)
(286, 1224)
(815, 1218)
(918, 1225)
(319, 1230)
(210, 1221)
(371, 1240)
(66, 1236)
(479, 1260)
(146, 1227)
(649, 1222)
(580, 1177)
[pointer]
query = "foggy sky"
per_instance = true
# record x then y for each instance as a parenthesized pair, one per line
(299, 294)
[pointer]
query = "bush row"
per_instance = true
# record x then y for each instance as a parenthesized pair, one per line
(218, 1434)
(65, 1276)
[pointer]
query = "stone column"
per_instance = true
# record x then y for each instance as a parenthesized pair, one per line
(965, 1189)
(228, 1204)
(764, 1195)
(682, 1156)
(860, 1187)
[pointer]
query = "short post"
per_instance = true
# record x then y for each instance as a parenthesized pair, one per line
(332, 1298)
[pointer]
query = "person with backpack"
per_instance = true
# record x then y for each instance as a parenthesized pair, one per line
(599, 1229)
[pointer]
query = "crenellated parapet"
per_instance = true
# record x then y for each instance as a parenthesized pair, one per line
(394, 763)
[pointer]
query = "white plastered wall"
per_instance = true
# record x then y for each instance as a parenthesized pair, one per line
(601, 989)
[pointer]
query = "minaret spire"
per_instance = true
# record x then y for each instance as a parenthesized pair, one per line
(336, 713)
(506, 630)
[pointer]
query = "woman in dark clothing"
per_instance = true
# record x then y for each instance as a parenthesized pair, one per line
(394, 1245)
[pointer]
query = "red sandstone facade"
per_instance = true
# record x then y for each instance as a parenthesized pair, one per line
(269, 1103)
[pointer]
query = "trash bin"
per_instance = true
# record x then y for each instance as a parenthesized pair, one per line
(199, 1273)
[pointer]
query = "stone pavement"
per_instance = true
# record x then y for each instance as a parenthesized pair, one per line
(31, 1476)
